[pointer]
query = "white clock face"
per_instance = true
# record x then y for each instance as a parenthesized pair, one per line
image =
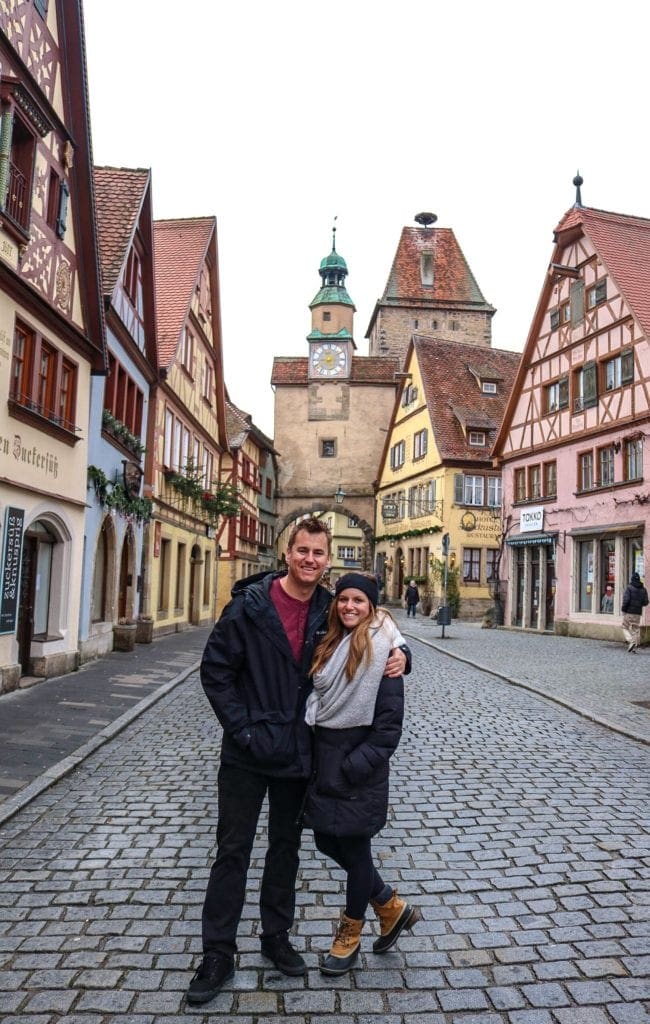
(329, 360)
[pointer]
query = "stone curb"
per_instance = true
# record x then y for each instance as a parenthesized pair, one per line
(584, 712)
(48, 778)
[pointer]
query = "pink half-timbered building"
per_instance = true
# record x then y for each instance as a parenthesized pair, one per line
(573, 441)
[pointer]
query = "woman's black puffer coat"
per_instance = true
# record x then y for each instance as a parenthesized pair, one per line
(348, 792)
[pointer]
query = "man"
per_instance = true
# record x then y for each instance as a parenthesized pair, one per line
(255, 672)
(635, 599)
(412, 595)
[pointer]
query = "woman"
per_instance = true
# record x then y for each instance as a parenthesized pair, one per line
(356, 713)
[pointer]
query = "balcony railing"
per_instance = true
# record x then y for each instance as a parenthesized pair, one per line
(17, 197)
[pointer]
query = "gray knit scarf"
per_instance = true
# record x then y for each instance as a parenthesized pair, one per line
(336, 703)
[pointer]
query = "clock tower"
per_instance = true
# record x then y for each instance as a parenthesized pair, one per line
(332, 310)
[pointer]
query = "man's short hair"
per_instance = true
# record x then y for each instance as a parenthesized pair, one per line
(311, 525)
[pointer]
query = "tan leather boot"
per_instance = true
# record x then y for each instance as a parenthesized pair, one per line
(345, 947)
(394, 916)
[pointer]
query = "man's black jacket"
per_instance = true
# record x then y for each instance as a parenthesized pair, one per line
(256, 687)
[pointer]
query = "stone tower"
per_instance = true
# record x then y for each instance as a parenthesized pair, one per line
(430, 290)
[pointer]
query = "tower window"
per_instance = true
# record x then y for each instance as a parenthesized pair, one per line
(328, 449)
(327, 317)
(426, 269)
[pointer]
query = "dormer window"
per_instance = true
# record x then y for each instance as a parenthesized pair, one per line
(426, 269)
(477, 438)
(488, 387)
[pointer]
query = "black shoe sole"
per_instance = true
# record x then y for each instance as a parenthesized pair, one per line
(333, 969)
(197, 998)
(410, 916)
(289, 972)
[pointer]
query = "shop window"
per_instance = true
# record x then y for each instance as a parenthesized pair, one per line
(550, 479)
(634, 557)
(605, 466)
(607, 575)
(634, 459)
(471, 565)
(585, 575)
(585, 471)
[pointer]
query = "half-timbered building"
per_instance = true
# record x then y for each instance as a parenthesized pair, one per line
(111, 585)
(187, 430)
(51, 333)
(573, 444)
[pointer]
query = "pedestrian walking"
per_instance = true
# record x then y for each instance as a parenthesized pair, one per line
(255, 673)
(412, 596)
(635, 599)
(356, 711)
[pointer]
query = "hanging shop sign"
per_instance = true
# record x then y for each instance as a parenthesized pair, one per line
(531, 519)
(12, 553)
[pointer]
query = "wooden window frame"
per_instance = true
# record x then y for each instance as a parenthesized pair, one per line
(605, 458)
(519, 485)
(633, 454)
(36, 397)
(474, 562)
(582, 462)
(549, 473)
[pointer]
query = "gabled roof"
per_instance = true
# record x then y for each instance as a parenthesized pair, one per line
(453, 280)
(239, 424)
(180, 246)
(119, 193)
(289, 370)
(622, 243)
(454, 398)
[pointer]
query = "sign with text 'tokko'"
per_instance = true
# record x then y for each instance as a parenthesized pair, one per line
(12, 552)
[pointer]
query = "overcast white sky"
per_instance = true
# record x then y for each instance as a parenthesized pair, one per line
(275, 117)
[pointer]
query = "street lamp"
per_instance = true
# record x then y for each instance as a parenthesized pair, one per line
(339, 495)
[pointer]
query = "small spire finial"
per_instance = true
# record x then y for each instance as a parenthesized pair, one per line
(578, 181)
(334, 234)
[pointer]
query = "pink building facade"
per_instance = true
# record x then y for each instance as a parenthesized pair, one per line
(573, 444)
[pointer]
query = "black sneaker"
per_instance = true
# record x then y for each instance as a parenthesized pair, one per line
(278, 949)
(214, 971)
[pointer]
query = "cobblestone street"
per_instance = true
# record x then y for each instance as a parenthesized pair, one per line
(521, 829)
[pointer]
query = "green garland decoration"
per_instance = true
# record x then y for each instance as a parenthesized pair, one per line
(426, 530)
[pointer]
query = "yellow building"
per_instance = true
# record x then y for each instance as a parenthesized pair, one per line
(51, 334)
(187, 435)
(436, 474)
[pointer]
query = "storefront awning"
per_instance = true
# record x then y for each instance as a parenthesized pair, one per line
(529, 539)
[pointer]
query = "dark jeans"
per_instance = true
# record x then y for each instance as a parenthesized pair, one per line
(241, 795)
(410, 610)
(354, 855)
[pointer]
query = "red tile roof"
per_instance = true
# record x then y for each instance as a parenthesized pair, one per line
(453, 280)
(294, 370)
(623, 244)
(180, 247)
(119, 192)
(454, 396)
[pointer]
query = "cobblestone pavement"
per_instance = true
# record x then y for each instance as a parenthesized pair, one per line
(521, 829)
(597, 678)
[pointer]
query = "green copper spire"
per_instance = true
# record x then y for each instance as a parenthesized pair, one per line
(333, 271)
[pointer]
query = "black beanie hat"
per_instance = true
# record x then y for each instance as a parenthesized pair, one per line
(360, 582)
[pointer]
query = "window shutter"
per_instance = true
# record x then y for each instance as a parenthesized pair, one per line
(589, 391)
(577, 302)
(563, 392)
(61, 220)
(627, 366)
(459, 487)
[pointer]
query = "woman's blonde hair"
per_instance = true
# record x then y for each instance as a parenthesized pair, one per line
(360, 640)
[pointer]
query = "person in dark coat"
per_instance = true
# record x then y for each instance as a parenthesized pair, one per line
(356, 712)
(635, 599)
(255, 673)
(412, 596)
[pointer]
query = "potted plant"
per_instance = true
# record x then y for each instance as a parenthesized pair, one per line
(124, 631)
(144, 630)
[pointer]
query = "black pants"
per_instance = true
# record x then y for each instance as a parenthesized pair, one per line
(354, 855)
(241, 794)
